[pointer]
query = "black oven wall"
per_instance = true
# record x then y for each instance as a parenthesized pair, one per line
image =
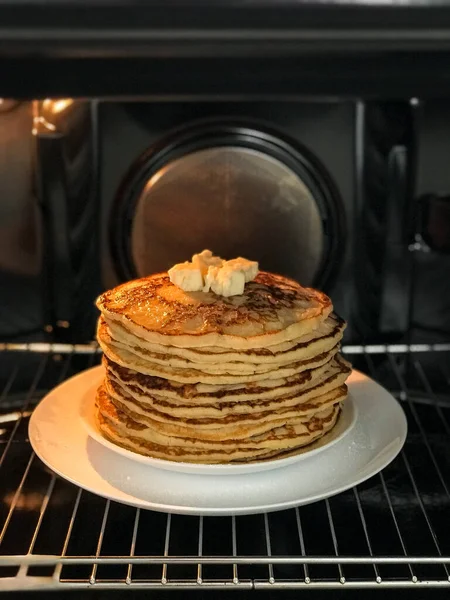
(431, 313)
(20, 226)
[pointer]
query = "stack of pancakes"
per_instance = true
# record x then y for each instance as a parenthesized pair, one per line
(196, 377)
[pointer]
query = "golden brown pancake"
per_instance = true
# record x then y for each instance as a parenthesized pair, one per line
(193, 373)
(272, 310)
(197, 377)
(322, 339)
(334, 376)
(123, 430)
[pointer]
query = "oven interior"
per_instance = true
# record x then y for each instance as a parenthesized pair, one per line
(345, 192)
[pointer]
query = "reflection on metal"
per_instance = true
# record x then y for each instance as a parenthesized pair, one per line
(10, 417)
(65, 174)
(25, 502)
(154, 179)
(40, 123)
(92, 348)
(46, 113)
(6, 104)
(235, 201)
(57, 106)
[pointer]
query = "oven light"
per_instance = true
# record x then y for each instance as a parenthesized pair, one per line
(57, 106)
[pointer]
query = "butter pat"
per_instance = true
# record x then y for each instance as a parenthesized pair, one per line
(187, 277)
(207, 273)
(206, 259)
(225, 281)
(248, 267)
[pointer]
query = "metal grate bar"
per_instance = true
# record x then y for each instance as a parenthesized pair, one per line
(394, 348)
(24, 568)
(200, 549)
(429, 390)
(46, 560)
(422, 507)
(371, 366)
(166, 548)
(51, 348)
(93, 348)
(334, 538)
(133, 544)
(302, 544)
(44, 505)
(360, 584)
(31, 391)
(16, 497)
(8, 385)
(405, 396)
(234, 549)
(268, 547)
(366, 532)
(46, 499)
(414, 578)
(445, 375)
(35, 583)
(100, 541)
(51, 484)
(57, 573)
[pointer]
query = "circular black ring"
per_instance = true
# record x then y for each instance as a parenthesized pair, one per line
(205, 134)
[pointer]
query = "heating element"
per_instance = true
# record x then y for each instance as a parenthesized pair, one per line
(392, 530)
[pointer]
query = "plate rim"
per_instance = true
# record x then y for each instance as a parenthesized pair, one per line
(137, 502)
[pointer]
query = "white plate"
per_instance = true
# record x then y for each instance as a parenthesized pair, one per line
(60, 439)
(346, 421)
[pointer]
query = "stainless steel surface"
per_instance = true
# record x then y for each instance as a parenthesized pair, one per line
(48, 221)
(265, 210)
(391, 531)
(363, 48)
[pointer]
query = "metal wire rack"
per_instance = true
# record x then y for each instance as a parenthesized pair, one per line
(392, 530)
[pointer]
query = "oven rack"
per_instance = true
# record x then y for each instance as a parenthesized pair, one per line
(391, 531)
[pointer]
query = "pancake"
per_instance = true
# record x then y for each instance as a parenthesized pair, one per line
(198, 377)
(322, 339)
(137, 363)
(219, 366)
(272, 310)
(228, 427)
(122, 430)
(196, 394)
(335, 376)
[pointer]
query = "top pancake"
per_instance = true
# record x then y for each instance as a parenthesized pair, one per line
(272, 310)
